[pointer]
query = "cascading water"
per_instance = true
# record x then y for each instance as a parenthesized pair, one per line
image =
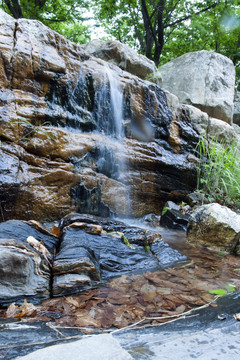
(101, 97)
(116, 102)
(117, 110)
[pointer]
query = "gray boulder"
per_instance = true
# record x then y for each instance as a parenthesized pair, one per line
(216, 227)
(123, 56)
(204, 79)
(236, 110)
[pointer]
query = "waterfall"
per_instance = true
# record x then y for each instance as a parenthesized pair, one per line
(117, 111)
(116, 101)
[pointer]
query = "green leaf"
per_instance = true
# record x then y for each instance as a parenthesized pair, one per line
(218, 292)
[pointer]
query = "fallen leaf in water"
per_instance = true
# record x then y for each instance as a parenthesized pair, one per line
(14, 311)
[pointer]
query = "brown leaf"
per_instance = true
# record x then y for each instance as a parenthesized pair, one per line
(191, 299)
(11, 311)
(72, 301)
(56, 231)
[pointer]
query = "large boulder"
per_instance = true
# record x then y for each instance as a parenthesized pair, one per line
(204, 79)
(216, 227)
(123, 56)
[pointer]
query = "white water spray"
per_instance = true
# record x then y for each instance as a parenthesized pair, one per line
(116, 101)
(117, 110)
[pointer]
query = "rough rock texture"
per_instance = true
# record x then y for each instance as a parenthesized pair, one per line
(24, 271)
(174, 219)
(123, 56)
(90, 250)
(98, 249)
(236, 110)
(84, 159)
(216, 227)
(204, 79)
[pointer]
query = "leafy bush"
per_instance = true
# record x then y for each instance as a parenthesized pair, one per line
(219, 171)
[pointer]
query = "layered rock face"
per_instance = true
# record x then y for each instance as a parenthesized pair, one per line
(78, 134)
(204, 79)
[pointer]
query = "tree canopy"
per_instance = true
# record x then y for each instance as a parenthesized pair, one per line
(164, 29)
(65, 16)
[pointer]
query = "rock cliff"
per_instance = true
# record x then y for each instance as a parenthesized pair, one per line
(63, 148)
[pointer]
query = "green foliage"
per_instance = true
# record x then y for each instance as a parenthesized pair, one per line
(229, 288)
(165, 209)
(127, 242)
(63, 16)
(219, 171)
(218, 292)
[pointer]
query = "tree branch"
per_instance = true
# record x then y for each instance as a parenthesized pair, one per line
(190, 15)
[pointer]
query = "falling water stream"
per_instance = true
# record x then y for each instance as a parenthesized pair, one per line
(117, 110)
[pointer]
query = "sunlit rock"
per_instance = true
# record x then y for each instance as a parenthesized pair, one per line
(204, 79)
(216, 227)
(123, 56)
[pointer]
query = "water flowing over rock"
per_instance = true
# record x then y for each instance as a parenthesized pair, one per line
(203, 79)
(216, 227)
(76, 161)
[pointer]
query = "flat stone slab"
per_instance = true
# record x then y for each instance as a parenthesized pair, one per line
(98, 347)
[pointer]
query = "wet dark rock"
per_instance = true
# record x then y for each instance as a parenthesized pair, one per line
(167, 256)
(87, 257)
(174, 219)
(91, 250)
(20, 230)
(107, 224)
(24, 272)
(114, 257)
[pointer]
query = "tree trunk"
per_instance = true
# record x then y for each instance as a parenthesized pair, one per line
(160, 32)
(14, 7)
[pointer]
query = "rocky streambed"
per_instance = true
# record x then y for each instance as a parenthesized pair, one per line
(149, 284)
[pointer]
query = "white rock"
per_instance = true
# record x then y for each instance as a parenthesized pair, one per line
(123, 56)
(98, 347)
(204, 79)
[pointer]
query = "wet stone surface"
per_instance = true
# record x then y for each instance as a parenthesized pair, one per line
(88, 252)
